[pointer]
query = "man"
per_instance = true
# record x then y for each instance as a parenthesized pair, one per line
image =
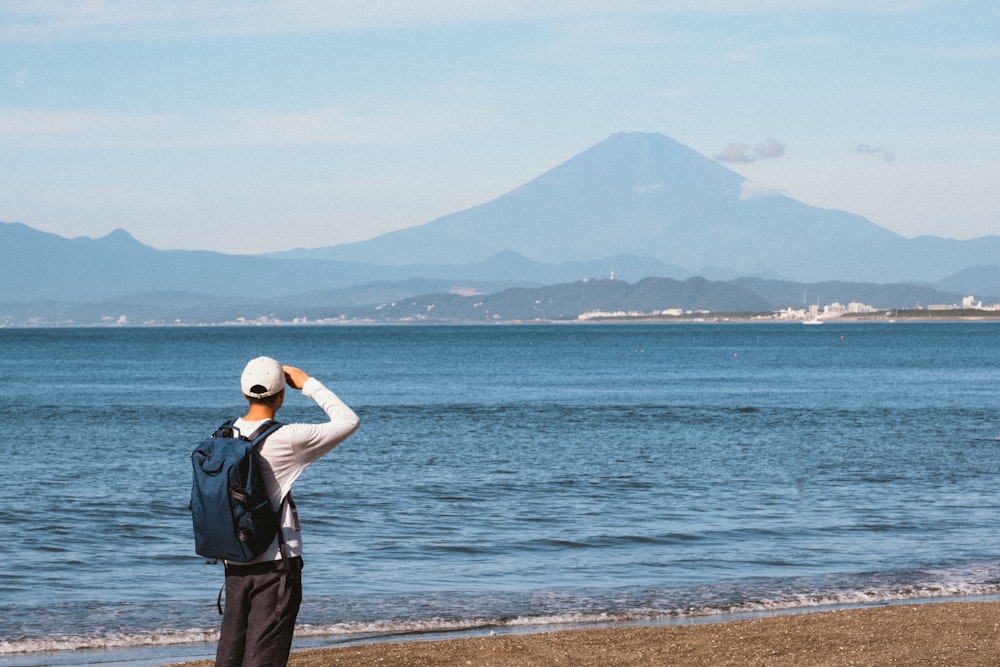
(263, 596)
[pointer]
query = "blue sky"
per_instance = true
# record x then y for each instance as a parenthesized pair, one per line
(273, 124)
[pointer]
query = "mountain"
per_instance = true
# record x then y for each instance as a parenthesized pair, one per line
(633, 206)
(647, 195)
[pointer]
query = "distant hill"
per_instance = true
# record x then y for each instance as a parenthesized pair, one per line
(974, 280)
(649, 295)
(785, 294)
(39, 265)
(391, 302)
(568, 301)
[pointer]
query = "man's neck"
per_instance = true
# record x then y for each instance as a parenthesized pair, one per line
(259, 412)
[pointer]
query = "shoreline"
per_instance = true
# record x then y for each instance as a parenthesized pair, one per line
(930, 317)
(919, 633)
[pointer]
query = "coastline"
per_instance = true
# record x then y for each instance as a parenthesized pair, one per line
(924, 633)
(882, 317)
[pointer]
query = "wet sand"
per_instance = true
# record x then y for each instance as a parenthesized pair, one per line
(954, 634)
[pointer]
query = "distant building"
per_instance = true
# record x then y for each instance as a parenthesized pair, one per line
(970, 302)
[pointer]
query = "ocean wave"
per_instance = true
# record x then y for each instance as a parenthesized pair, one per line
(107, 641)
(376, 630)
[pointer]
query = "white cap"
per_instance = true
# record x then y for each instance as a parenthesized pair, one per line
(262, 377)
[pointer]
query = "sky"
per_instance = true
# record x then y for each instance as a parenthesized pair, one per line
(248, 126)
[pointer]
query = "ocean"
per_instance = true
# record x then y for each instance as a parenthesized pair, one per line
(504, 478)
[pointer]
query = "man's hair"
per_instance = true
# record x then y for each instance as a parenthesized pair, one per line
(267, 400)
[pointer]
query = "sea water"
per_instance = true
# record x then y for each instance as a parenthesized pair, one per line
(503, 477)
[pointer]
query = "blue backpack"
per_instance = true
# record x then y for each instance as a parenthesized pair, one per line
(232, 514)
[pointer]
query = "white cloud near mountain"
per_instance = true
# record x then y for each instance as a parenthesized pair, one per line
(647, 188)
(769, 149)
(883, 152)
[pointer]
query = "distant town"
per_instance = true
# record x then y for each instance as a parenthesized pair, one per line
(970, 308)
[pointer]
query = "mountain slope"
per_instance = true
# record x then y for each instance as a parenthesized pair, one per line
(650, 196)
(636, 194)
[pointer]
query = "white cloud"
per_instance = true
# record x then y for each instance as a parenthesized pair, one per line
(883, 152)
(751, 190)
(990, 52)
(768, 149)
(672, 94)
(364, 122)
(48, 20)
(735, 153)
(28, 126)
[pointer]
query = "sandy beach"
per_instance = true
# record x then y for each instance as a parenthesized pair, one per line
(954, 634)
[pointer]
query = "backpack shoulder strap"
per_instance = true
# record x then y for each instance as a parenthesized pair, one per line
(264, 430)
(257, 437)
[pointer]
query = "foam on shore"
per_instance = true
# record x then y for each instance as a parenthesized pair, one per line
(952, 633)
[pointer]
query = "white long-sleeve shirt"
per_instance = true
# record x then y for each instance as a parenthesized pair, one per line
(287, 452)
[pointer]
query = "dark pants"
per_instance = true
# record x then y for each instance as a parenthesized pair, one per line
(262, 603)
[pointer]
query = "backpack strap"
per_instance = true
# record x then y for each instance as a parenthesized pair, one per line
(257, 437)
(264, 430)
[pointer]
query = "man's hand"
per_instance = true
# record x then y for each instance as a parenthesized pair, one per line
(295, 377)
